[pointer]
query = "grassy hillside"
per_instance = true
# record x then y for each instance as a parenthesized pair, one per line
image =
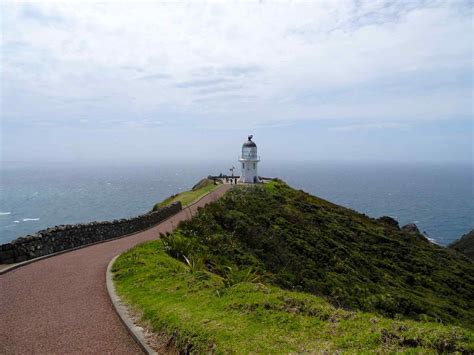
(271, 269)
(200, 189)
(304, 243)
(200, 312)
(465, 245)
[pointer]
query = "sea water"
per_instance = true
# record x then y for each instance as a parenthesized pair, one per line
(439, 198)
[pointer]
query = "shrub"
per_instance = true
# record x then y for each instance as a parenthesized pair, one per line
(180, 247)
(234, 276)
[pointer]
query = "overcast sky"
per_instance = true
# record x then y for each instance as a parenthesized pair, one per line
(329, 80)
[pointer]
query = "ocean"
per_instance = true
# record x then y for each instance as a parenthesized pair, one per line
(438, 198)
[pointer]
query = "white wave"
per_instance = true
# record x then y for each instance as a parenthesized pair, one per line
(30, 219)
(4, 213)
(16, 221)
(434, 241)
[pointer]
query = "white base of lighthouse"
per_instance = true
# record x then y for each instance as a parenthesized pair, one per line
(249, 171)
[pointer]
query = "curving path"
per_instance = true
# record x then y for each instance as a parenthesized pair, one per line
(61, 305)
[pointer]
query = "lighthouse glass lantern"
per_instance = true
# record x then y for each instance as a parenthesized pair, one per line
(249, 160)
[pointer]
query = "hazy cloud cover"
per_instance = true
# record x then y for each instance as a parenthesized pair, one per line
(351, 80)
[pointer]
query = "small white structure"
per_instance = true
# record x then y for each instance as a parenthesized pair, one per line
(249, 160)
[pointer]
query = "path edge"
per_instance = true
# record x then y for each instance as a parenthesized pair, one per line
(26, 262)
(122, 312)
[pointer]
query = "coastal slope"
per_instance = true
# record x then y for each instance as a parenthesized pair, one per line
(272, 268)
(465, 245)
(305, 243)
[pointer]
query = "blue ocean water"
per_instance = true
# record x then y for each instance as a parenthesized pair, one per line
(438, 198)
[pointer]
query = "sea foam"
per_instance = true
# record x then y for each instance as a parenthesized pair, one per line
(4, 213)
(30, 219)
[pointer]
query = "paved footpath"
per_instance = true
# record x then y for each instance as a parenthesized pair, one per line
(60, 304)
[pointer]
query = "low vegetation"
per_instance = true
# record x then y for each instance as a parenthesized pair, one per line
(465, 245)
(199, 311)
(273, 269)
(187, 197)
(308, 244)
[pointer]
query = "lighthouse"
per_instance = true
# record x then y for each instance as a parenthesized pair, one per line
(249, 160)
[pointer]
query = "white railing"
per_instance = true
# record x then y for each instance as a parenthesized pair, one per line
(249, 157)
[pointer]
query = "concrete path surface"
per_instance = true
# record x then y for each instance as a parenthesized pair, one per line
(60, 304)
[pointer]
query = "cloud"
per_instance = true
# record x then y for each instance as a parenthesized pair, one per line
(202, 83)
(243, 70)
(369, 127)
(157, 76)
(68, 100)
(255, 62)
(143, 123)
(132, 68)
(32, 12)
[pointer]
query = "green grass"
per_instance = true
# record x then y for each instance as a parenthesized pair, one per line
(205, 313)
(203, 187)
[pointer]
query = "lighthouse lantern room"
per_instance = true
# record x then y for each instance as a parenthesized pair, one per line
(249, 160)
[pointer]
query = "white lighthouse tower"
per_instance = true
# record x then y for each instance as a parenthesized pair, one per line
(249, 160)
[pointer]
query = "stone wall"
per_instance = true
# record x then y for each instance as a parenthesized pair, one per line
(70, 236)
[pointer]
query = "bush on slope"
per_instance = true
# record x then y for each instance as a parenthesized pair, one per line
(465, 245)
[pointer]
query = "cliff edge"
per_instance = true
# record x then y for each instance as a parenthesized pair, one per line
(465, 245)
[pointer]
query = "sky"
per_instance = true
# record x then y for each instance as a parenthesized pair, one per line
(355, 80)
